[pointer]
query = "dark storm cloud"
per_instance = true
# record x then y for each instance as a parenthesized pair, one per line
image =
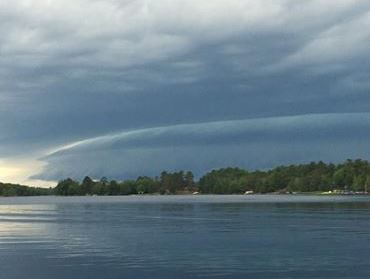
(72, 70)
(252, 143)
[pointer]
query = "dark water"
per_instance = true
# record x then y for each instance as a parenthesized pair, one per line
(185, 237)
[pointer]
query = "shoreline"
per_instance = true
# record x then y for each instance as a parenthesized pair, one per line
(316, 194)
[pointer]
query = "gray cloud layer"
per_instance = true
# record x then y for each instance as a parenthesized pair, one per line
(253, 143)
(72, 70)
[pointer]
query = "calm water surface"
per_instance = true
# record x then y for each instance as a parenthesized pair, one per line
(185, 237)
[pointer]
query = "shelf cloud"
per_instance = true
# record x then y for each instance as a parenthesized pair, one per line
(75, 70)
(251, 143)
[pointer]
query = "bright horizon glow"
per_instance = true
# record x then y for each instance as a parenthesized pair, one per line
(18, 171)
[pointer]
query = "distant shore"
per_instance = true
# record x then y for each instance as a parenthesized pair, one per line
(351, 177)
(348, 194)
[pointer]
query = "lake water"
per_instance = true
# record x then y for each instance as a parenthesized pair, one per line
(185, 237)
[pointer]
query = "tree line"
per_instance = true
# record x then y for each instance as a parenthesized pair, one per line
(167, 183)
(9, 190)
(313, 177)
(351, 175)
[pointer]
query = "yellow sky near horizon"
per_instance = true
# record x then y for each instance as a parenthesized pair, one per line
(20, 170)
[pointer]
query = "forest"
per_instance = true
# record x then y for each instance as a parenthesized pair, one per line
(351, 176)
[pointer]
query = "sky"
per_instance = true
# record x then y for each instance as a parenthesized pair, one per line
(122, 88)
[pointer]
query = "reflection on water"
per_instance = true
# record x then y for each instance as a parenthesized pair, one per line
(185, 237)
(24, 224)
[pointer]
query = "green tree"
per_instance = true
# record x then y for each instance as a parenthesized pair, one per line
(87, 186)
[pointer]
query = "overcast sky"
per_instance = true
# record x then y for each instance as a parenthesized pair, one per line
(123, 88)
